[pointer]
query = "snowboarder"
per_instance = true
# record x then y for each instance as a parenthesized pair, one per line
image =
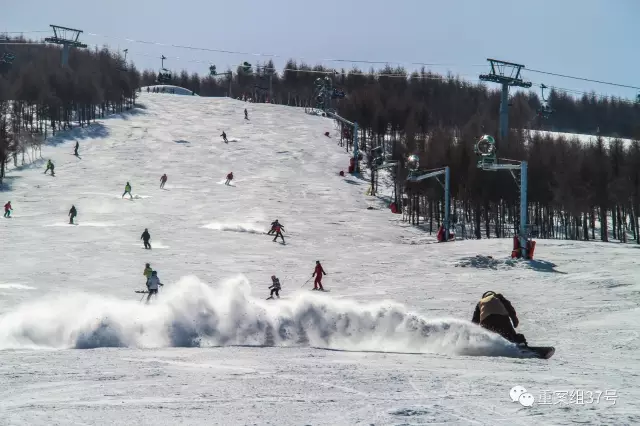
(246, 114)
(50, 166)
(127, 190)
(75, 151)
(163, 180)
(273, 227)
(318, 272)
(277, 228)
(274, 287)
(229, 178)
(145, 238)
(224, 137)
(72, 214)
(147, 273)
(152, 285)
(7, 209)
(495, 313)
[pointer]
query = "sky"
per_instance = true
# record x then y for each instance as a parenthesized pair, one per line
(594, 39)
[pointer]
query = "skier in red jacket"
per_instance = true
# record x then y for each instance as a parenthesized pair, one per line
(229, 178)
(318, 272)
(7, 209)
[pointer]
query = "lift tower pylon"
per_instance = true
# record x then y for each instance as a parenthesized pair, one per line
(68, 38)
(507, 74)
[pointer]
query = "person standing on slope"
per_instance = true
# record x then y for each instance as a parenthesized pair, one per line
(72, 214)
(127, 190)
(278, 230)
(147, 273)
(7, 209)
(224, 137)
(145, 238)
(229, 178)
(50, 166)
(274, 287)
(75, 151)
(246, 114)
(318, 272)
(495, 313)
(152, 285)
(163, 180)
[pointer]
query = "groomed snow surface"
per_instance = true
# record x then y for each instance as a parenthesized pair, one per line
(391, 343)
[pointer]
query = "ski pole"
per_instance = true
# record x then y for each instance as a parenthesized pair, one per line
(305, 283)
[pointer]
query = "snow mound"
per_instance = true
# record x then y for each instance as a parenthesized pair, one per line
(235, 227)
(485, 262)
(192, 314)
(169, 89)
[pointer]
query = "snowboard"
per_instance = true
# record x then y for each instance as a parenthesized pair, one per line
(543, 352)
(324, 291)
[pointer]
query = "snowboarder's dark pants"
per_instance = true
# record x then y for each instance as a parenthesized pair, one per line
(279, 234)
(7, 213)
(276, 291)
(162, 183)
(151, 293)
(501, 324)
(318, 282)
(147, 245)
(127, 192)
(71, 219)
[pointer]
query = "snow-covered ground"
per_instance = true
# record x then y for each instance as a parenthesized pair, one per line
(391, 343)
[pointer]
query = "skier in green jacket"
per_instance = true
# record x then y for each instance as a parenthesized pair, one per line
(127, 190)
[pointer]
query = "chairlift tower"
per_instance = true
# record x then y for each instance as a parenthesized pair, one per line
(416, 175)
(354, 127)
(486, 149)
(507, 74)
(68, 38)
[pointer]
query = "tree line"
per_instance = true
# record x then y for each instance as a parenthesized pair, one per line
(39, 97)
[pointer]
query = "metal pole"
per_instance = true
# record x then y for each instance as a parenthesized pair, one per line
(230, 81)
(355, 145)
(271, 88)
(523, 208)
(504, 112)
(447, 205)
(65, 55)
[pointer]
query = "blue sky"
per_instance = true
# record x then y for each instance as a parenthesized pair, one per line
(588, 38)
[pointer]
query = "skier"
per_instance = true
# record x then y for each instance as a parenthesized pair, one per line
(152, 285)
(273, 227)
(72, 214)
(495, 313)
(274, 287)
(145, 238)
(277, 228)
(246, 114)
(163, 180)
(7, 209)
(127, 190)
(318, 272)
(224, 137)
(229, 178)
(147, 272)
(75, 152)
(50, 166)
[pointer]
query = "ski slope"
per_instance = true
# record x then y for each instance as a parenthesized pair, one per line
(391, 343)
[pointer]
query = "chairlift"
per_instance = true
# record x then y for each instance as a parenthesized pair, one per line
(545, 110)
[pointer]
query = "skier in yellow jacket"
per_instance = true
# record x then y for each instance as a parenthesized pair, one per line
(147, 272)
(495, 313)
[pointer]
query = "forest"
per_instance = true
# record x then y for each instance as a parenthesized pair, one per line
(577, 190)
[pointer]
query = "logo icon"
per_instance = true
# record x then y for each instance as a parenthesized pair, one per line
(520, 394)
